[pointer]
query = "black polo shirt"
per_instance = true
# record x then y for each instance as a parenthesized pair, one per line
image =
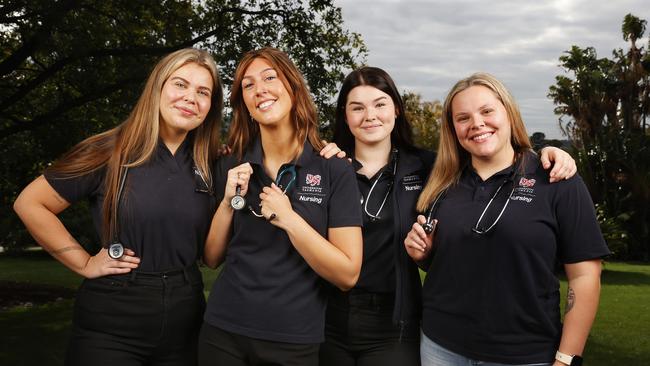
(163, 218)
(494, 296)
(266, 289)
(378, 267)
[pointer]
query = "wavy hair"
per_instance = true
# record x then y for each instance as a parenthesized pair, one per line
(451, 156)
(133, 141)
(304, 117)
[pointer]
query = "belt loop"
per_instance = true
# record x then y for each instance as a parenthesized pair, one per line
(132, 278)
(186, 276)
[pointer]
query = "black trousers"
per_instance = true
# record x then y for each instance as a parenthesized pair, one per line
(138, 319)
(218, 347)
(359, 331)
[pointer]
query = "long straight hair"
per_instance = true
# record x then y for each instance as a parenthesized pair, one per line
(133, 142)
(402, 134)
(304, 117)
(451, 156)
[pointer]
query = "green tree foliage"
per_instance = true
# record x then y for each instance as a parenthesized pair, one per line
(425, 118)
(603, 109)
(72, 68)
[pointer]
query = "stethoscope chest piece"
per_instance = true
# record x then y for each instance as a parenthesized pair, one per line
(116, 250)
(237, 202)
(428, 227)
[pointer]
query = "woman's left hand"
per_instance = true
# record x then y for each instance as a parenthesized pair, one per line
(276, 207)
(330, 150)
(564, 167)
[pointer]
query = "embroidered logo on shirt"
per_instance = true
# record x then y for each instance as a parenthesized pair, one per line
(525, 191)
(523, 182)
(313, 179)
(412, 183)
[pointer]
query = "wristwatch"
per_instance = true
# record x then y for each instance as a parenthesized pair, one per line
(570, 360)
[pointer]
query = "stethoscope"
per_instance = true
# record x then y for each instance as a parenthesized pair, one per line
(375, 216)
(238, 202)
(428, 226)
(116, 249)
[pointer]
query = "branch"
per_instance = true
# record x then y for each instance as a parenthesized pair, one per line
(60, 64)
(41, 35)
(64, 107)
(254, 12)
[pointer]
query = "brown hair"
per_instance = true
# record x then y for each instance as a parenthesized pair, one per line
(451, 156)
(401, 135)
(303, 111)
(132, 142)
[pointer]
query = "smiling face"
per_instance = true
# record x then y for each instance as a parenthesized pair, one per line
(482, 125)
(265, 95)
(185, 100)
(370, 114)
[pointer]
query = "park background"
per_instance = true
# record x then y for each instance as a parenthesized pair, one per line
(73, 68)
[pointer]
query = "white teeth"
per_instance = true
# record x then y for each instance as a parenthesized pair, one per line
(482, 137)
(265, 104)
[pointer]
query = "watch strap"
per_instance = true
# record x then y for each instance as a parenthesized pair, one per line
(564, 358)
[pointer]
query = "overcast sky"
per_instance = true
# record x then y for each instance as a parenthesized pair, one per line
(428, 45)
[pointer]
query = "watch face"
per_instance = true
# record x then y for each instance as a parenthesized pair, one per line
(116, 250)
(237, 202)
(576, 361)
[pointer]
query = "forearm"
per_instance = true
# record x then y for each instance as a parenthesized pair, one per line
(218, 236)
(582, 304)
(49, 232)
(330, 262)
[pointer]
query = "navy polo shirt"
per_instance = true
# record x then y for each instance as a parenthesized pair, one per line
(165, 211)
(378, 267)
(266, 289)
(494, 296)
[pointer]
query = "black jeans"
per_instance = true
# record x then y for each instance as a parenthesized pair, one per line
(359, 331)
(218, 347)
(138, 319)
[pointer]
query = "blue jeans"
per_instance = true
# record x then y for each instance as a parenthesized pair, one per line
(433, 354)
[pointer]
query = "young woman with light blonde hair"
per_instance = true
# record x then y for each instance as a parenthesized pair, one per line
(491, 234)
(149, 182)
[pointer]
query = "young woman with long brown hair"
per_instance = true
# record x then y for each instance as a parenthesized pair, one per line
(491, 295)
(148, 181)
(299, 224)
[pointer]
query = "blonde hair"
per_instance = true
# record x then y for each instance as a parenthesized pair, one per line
(304, 116)
(451, 156)
(132, 143)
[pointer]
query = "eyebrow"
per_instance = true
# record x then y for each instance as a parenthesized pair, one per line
(375, 100)
(187, 82)
(261, 72)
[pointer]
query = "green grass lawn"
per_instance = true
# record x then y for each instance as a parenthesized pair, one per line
(38, 335)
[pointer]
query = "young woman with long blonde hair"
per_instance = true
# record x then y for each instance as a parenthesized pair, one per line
(492, 232)
(148, 181)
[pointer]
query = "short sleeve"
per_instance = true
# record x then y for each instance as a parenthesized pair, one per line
(77, 188)
(344, 201)
(220, 174)
(580, 238)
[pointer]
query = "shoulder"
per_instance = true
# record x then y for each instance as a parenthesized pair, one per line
(427, 157)
(415, 161)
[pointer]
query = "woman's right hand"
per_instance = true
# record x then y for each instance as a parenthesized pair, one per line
(417, 243)
(101, 264)
(237, 176)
